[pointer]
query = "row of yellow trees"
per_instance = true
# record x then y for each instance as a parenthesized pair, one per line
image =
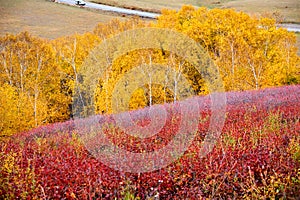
(37, 76)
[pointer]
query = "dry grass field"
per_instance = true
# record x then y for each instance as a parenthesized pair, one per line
(289, 9)
(149, 5)
(47, 19)
(158, 5)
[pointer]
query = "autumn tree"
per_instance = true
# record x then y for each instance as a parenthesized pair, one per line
(30, 77)
(38, 77)
(115, 26)
(250, 52)
(71, 51)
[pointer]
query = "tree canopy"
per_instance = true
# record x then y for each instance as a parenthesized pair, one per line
(37, 76)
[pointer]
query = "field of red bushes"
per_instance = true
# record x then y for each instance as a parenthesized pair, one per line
(257, 156)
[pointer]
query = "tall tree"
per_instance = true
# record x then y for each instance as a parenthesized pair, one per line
(27, 65)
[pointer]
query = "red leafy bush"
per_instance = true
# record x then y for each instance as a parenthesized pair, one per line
(257, 156)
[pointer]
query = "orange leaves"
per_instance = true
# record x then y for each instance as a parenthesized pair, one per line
(116, 26)
(251, 53)
(30, 71)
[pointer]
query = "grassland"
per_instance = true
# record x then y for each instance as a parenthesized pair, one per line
(289, 9)
(158, 5)
(47, 19)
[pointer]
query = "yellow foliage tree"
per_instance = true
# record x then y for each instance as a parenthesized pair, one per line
(13, 111)
(115, 26)
(70, 53)
(30, 77)
(37, 77)
(251, 53)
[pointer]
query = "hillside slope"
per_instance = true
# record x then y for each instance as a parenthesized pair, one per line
(257, 156)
